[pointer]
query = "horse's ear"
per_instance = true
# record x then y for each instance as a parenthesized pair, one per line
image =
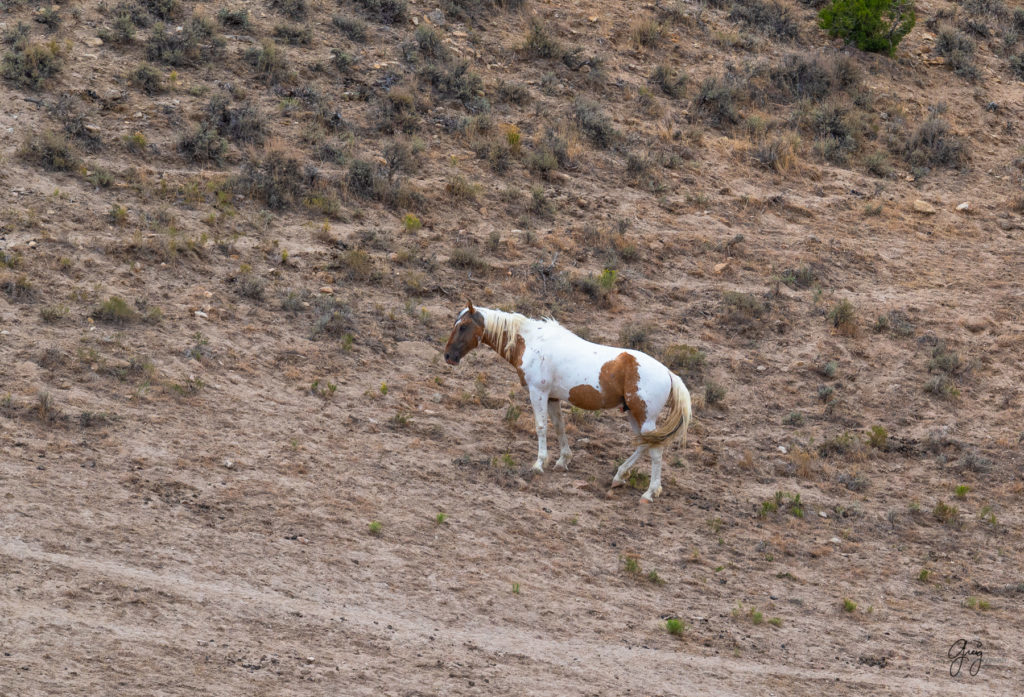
(469, 304)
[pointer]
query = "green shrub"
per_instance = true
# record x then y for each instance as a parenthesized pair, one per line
(32, 65)
(236, 19)
(772, 18)
(116, 311)
(50, 151)
(195, 44)
(293, 9)
(204, 145)
(933, 145)
(594, 123)
(384, 11)
(270, 63)
(671, 84)
(278, 180)
(354, 29)
(243, 124)
(876, 26)
(148, 79)
(716, 101)
(294, 35)
(540, 43)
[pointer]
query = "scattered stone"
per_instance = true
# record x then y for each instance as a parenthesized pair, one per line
(93, 42)
(327, 290)
(823, 514)
(721, 266)
(964, 207)
(924, 207)
(435, 16)
(835, 541)
(782, 449)
(201, 315)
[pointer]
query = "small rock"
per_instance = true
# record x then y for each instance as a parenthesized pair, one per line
(32, 244)
(584, 68)
(229, 464)
(327, 290)
(459, 34)
(722, 266)
(93, 41)
(835, 541)
(435, 16)
(823, 514)
(201, 315)
(761, 368)
(782, 449)
(924, 207)
(964, 207)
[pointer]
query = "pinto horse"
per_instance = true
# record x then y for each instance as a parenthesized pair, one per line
(554, 365)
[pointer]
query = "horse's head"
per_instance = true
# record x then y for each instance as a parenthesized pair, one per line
(466, 335)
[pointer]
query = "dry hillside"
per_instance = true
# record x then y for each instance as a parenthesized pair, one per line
(234, 237)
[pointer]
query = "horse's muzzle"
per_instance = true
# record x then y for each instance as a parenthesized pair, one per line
(449, 360)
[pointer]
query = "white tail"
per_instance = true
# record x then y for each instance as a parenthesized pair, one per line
(678, 420)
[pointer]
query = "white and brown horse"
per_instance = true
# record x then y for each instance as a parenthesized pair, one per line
(555, 364)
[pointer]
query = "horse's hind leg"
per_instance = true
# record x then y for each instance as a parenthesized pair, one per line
(625, 466)
(564, 454)
(655, 488)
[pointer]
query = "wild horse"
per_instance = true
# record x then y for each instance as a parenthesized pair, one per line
(554, 364)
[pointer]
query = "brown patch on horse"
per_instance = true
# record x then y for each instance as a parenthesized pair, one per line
(515, 357)
(618, 380)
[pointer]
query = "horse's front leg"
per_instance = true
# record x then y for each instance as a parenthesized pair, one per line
(539, 400)
(564, 454)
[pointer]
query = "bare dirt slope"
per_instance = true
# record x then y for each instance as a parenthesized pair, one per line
(230, 258)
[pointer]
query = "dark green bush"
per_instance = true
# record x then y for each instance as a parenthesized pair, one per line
(876, 26)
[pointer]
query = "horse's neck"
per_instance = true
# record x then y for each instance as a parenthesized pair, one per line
(499, 340)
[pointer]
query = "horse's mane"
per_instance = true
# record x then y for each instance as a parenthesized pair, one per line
(501, 330)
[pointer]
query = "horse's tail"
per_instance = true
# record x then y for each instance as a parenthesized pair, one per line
(678, 420)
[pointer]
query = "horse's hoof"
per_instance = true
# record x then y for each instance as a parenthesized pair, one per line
(616, 484)
(644, 499)
(537, 469)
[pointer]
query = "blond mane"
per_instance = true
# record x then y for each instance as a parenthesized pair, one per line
(501, 330)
